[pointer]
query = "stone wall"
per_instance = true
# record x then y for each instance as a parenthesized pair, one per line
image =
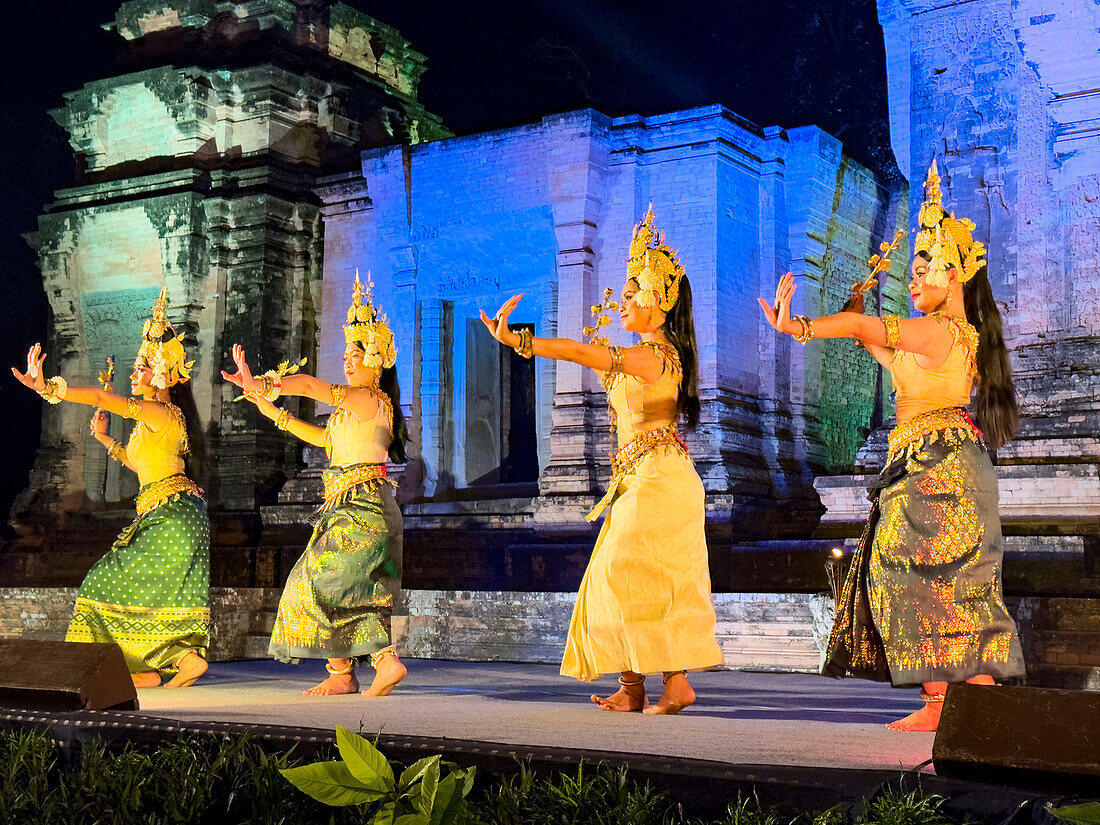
(451, 227)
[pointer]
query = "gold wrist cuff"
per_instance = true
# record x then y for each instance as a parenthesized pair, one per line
(526, 344)
(116, 450)
(282, 420)
(806, 329)
(54, 391)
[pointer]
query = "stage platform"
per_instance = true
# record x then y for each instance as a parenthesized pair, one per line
(740, 718)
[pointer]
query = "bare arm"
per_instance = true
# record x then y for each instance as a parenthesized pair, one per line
(310, 433)
(99, 424)
(148, 412)
(923, 336)
(297, 384)
(641, 362)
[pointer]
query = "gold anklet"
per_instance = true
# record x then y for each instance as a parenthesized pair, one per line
(379, 655)
(932, 698)
(346, 671)
(670, 674)
(631, 684)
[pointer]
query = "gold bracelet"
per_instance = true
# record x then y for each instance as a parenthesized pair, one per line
(526, 345)
(806, 331)
(116, 450)
(54, 391)
(282, 420)
(272, 385)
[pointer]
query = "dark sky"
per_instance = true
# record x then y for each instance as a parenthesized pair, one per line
(491, 64)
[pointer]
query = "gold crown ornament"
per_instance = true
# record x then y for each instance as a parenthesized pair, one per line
(654, 266)
(167, 359)
(947, 240)
(367, 327)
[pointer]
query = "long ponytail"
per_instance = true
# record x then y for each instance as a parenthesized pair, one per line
(995, 406)
(387, 382)
(679, 328)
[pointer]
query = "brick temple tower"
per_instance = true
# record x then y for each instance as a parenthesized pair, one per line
(197, 166)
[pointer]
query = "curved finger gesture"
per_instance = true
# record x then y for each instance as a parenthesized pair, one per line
(779, 312)
(243, 376)
(498, 324)
(100, 423)
(33, 377)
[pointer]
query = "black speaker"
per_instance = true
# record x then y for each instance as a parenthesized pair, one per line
(1029, 737)
(63, 676)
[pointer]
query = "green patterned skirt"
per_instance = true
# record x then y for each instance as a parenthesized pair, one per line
(150, 594)
(922, 601)
(339, 597)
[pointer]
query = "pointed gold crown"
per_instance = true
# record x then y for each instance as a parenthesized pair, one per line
(167, 359)
(654, 266)
(947, 240)
(365, 326)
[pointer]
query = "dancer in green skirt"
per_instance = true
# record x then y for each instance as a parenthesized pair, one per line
(338, 598)
(150, 593)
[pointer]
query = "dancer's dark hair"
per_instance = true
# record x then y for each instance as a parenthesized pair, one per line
(387, 382)
(195, 459)
(995, 409)
(679, 328)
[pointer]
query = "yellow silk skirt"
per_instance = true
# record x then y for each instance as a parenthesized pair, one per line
(645, 603)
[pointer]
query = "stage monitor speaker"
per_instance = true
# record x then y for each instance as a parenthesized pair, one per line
(1030, 737)
(64, 676)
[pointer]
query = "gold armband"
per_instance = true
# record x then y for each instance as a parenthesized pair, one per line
(339, 393)
(616, 360)
(526, 345)
(282, 420)
(133, 407)
(54, 391)
(890, 325)
(806, 331)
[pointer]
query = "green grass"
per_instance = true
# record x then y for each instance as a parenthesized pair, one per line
(229, 780)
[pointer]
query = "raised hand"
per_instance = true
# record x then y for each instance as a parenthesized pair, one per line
(779, 312)
(243, 376)
(100, 423)
(498, 324)
(32, 378)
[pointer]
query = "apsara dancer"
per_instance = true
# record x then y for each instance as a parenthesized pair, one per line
(644, 604)
(922, 603)
(339, 597)
(150, 593)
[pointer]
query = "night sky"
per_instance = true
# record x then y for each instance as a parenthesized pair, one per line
(491, 65)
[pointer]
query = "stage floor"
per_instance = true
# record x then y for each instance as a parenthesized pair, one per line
(740, 718)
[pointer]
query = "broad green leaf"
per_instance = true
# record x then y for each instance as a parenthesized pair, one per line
(364, 760)
(1086, 813)
(443, 797)
(467, 781)
(331, 783)
(414, 771)
(429, 784)
(385, 813)
(411, 819)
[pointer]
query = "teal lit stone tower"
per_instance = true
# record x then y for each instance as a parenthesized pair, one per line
(197, 169)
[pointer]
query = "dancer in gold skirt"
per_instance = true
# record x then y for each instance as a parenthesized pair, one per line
(339, 597)
(644, 605)
(922, 603)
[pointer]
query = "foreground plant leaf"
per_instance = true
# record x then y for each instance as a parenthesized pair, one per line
(331, 783)
(365, 761)
(1087, 813)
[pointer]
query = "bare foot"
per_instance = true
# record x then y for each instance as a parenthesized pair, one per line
(146, 679)
(188, 669)
(927, 718)
(627, 699)
(388, 672)
(677, 696)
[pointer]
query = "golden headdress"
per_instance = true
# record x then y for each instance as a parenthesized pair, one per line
(948, 240)
(654, 266)
(166, 358)
(368, 328)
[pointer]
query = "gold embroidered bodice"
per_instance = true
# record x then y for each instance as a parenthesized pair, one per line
(349, 440)
(639, 407)
(921, 389)
(159, 454)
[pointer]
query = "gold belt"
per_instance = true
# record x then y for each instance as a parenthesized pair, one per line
(909, 432)
(160, 491)
(337, 485)
(625, 460)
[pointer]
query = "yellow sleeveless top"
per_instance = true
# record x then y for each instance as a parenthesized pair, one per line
(921, 389)
(639, 407)
(159, 454)
(349, 440)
